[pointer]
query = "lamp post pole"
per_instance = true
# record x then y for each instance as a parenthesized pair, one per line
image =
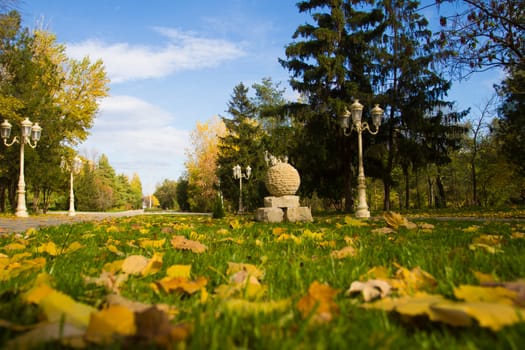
(238, 174)
(356, 112)
(29, 132)
(74, 168)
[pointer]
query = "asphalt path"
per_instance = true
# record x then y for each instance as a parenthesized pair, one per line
(15, 224)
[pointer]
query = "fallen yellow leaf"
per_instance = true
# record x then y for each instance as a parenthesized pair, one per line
(116, 319)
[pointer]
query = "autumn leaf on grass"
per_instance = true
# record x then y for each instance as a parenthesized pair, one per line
(235, 224)
(46, 332)
(150, 243)
(396, 220)
(113, 320)
(109, 280)
(137, 306)
(515, 286)
(494, 316)
(49, 248)
(470, 229)
(383, 230)
(179, 271)
(181, 242)
(496, 294)
(59, 307)
(134, 264)
(484, 277)
(319, 303)
(251, 269)
(371, 289)
(19, 245)
(376, 272)
(354, 222)
(114, 249)
(154, 264)
(342, 253)
(14, 267)
(409, 281)
(485, 247)
(181, 284)
(153, 326)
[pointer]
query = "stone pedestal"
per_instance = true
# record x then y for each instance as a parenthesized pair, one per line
(283, 208)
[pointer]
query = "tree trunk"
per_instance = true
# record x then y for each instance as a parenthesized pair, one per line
(418, 194)
(407, 186)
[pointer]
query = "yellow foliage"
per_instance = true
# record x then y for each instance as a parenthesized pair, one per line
(116, 319)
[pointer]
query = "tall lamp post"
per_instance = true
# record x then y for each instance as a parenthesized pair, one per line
(356, 112)
(29, 132)
(238, 174)
(73, 168)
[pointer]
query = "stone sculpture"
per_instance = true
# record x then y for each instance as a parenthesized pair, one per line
(282, 181)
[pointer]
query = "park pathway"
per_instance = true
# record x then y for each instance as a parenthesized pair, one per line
(15, 224)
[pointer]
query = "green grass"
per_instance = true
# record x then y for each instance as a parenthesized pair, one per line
(290, 268)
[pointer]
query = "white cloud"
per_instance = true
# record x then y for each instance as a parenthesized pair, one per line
(182, 51)
(139, 137)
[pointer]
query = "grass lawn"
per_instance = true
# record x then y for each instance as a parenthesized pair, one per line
(166, 281)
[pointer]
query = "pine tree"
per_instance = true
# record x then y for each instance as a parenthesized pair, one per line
(243, 145)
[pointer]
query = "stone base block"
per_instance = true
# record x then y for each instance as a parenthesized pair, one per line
(298, 214)
(281, 202)
(269, 215)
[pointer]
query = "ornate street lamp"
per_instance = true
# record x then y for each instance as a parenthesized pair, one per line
(237, 174)
(356, 112)
(74, 168)
(29, 132)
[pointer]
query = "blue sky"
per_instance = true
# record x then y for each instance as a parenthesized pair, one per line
(173, 63)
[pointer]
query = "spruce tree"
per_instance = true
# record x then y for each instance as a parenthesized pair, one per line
(243, 145)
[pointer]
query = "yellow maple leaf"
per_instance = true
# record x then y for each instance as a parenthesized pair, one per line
(134, 264)
(150, 243)
(73, 246)
(251, 269)
(350, 221)
(485, 247)
(409, 281)
(181, 242)
(320, 302)
(58, 307)
(179, 271)
(484, 277)
(345, 252)
(170, 284)
(154, 264)
(489, 315)
(116, 319)
(15, 246)
(470, 229)
(377, 272)
(114, 249)
(486, 294)
(49, 248)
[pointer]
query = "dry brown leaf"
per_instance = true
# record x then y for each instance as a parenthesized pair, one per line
(109, 280)
(371, 289)
(45, 332)
(345, 252)
(396, 220)
(181, 242)
(153, 325)
(383, 230)
(134, 264)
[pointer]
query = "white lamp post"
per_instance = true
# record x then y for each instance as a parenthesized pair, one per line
(356, 111)
(237, 174)
(73, 168)
(29, 132)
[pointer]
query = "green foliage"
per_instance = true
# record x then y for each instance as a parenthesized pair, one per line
(168, 194)
(243, 144)
(218, 208)
(38, 79)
